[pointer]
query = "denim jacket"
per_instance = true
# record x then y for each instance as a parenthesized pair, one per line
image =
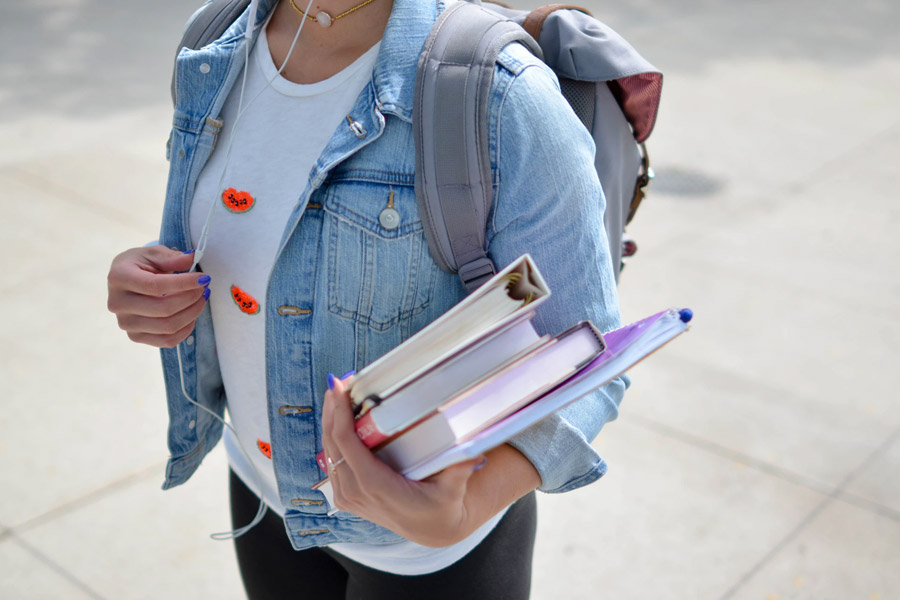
(344, 289)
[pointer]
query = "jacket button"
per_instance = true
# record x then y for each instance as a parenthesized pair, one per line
(357, 128)
(294, 410)
(204, 68)
(389, 218)
(286, 309)
(305, 502)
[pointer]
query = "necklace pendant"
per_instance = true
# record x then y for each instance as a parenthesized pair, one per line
(324, 19)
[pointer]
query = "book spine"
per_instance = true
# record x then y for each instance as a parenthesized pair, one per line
(368, 431)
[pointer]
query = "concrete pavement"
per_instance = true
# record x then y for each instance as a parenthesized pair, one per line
(756, 458)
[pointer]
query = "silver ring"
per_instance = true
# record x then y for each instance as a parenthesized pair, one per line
(333, 465)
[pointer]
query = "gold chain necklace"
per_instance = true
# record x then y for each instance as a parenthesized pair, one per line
(324, 19)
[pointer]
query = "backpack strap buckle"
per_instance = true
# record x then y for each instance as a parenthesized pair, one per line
(474, 273)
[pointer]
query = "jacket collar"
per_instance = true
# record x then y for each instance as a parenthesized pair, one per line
(395, 69)
(394, 75)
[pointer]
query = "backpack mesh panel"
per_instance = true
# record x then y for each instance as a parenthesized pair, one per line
(580, 95)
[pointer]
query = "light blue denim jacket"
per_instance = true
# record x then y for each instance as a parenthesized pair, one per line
(344, 290)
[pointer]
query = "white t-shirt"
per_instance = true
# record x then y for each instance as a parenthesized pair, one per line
(276, 144)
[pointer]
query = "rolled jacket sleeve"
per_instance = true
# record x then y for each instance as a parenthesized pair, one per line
(549, 203)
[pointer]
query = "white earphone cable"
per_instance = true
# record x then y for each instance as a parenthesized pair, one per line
(204, 232)
(201, 247)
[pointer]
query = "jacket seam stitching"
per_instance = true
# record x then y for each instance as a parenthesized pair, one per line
(499, 185)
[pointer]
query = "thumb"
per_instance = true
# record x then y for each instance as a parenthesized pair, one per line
(167, 260)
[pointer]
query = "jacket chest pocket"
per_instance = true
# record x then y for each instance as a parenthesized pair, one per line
(380, 273)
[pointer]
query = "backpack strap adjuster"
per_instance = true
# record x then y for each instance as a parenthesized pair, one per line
(476, 272)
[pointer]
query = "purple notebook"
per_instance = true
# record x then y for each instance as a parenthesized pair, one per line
(625, 347)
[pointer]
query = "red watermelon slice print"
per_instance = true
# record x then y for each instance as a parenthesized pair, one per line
(237, 202)
(245, 301)
(265, 448)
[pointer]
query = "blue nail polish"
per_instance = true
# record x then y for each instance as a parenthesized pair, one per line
(330, 381)
(204, 279)
(686, 315)
(480, 465)
(191, 251)
(206, 294)
(348, 374)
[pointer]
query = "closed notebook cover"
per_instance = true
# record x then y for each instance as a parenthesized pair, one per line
(487, 401)
(625, 347)
(452, 332)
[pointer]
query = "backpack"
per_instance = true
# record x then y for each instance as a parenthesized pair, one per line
(610, 87)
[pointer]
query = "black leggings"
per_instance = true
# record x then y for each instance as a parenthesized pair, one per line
(499, 568)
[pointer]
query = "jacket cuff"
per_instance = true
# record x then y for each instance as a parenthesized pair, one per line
(560, 453)
(559, 446)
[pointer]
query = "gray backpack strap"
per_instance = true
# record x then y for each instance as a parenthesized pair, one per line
(453, 169)
(208, 24)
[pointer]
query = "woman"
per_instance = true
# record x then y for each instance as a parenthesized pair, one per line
(303, 277)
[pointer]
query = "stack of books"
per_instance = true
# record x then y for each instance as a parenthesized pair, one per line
(481, 373)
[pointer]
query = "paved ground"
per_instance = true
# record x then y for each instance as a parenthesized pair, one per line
(756, 459)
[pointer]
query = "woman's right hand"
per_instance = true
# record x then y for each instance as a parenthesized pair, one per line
(153, 302)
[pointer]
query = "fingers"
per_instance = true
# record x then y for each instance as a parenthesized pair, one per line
(167, 260)
(136, 278)
(332, 454)
(129, 303)
(343, 485)
(360, 477)
(151, 272)
(346, 490)
(153, 304)
(327, 424)
(343, 436)
(162, 341)
(166, 315)
(430, 511)
(335, 394)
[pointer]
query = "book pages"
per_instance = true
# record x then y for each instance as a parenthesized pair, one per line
(496, 304)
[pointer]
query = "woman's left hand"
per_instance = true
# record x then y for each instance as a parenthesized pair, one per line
(432, 512)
